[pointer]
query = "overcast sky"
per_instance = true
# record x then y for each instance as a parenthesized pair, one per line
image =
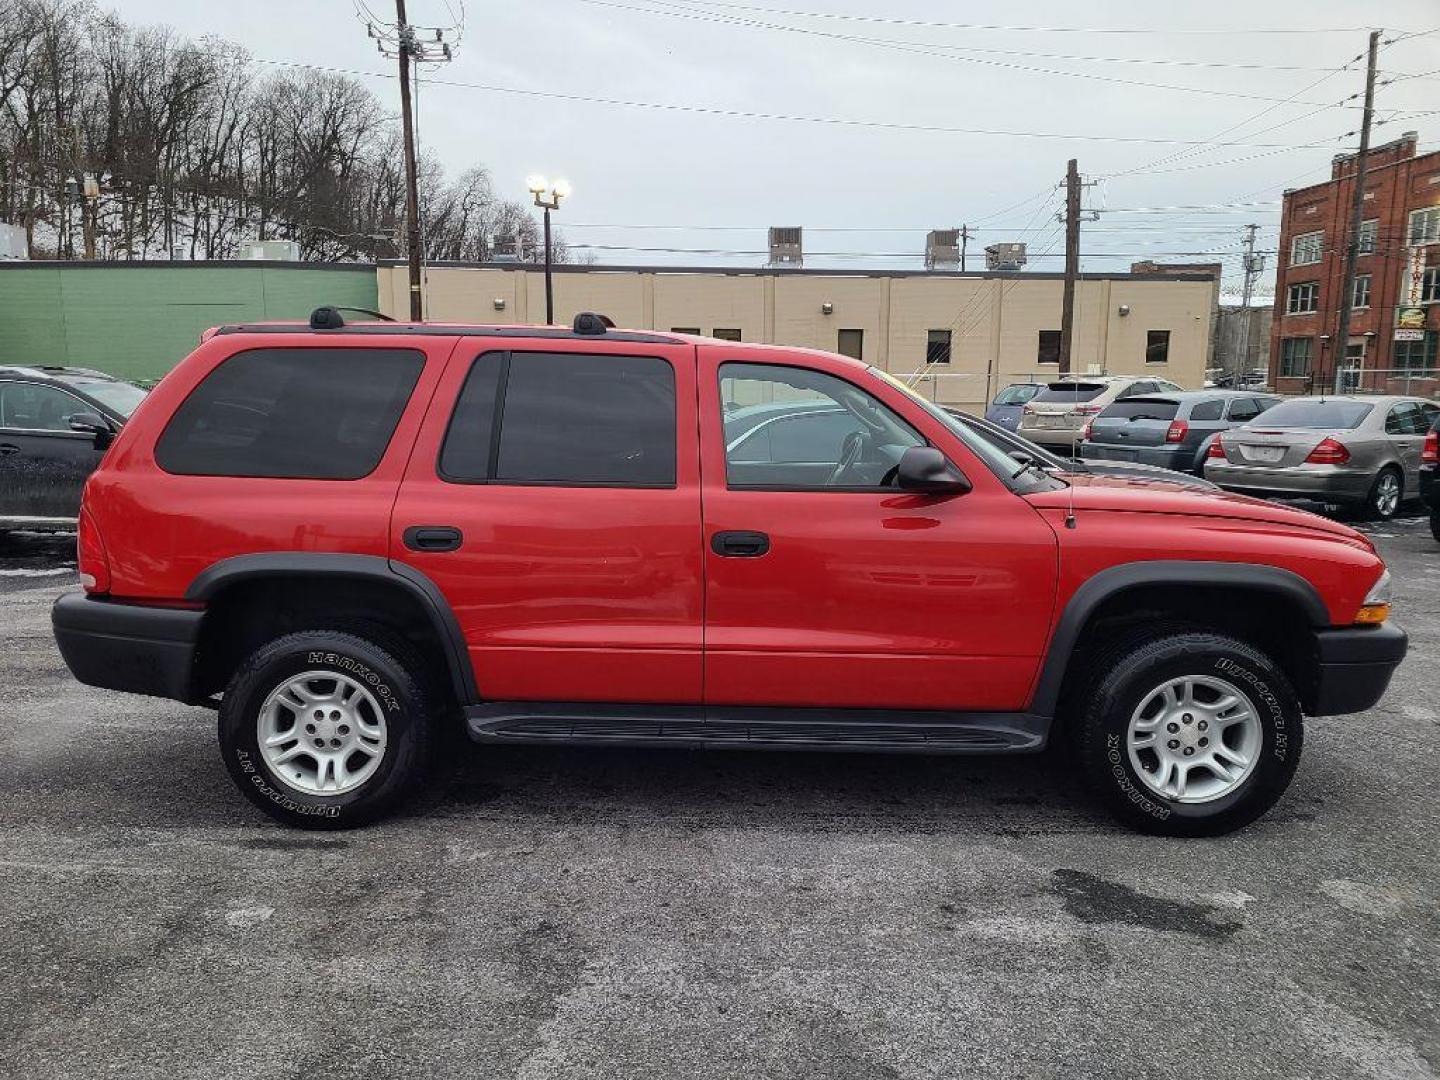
(721, 179)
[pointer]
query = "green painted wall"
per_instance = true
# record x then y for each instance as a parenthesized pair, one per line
(138, 320)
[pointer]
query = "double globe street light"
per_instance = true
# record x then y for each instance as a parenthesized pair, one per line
(547, 197)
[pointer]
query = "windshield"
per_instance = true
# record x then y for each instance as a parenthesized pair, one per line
(1315, 413)
(1142, 409)
(1071, 391)
(1018, 394)
(122, 397)
(999, 462)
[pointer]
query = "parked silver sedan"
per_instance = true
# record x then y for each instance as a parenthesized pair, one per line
(1359, 451)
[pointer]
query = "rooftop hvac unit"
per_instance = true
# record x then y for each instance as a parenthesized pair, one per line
(505, 249)
(270, 251)
(785, 247)
(942, 249)
(1005, 257)
(12, 242)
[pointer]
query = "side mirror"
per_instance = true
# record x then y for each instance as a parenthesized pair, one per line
(88, 423)
(925, 470)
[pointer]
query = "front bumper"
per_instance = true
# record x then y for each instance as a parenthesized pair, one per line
(1165, 457)
(1354, 665)
(1323, 483)
(129, 647)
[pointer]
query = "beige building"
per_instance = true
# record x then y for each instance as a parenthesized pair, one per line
(979, 331)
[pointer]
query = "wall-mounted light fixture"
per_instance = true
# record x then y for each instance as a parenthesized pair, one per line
(827, 308)
(499, 303)
(1124, 310)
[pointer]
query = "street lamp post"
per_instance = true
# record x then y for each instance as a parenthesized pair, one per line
(556, 191)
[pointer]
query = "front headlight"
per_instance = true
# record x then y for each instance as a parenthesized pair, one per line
(1376, 606)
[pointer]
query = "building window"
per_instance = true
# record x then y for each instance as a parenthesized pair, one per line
(1295, 357)
(1414, 357)
(1430, 286)
(1360, 295)
(1425, 226)
(1157, 346)
(1049, 350)
(726, 335)
(695, 330)
(851, 343)
(937, 347)
(1367, 236)
(1306, 248)
(1302, 299)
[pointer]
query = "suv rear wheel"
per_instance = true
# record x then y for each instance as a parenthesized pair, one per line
(326, 730)
(1191, 734)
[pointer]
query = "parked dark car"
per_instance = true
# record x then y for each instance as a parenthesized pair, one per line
(1173, 431)
(1005, 409)
(1021, 448)
(1430, 475)
(55, 423)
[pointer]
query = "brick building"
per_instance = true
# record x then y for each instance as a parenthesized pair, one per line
(1395, 319)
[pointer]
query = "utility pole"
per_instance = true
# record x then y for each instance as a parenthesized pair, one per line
(1072, 263)
(1252, 264)
(411, 46)
(964, 238)
(1352, 243)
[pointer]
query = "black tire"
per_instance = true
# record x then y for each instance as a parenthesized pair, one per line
(397, 686)
(1435, 523)
(1372, 509)
(1131, 673)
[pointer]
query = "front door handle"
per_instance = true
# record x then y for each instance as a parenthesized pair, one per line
(740, 545)
(433, 538)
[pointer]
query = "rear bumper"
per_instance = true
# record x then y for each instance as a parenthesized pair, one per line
(1430, 486)
(117, 646)
(1354, 667)
(1326, 484)
(1166, 457)
(1051, 438)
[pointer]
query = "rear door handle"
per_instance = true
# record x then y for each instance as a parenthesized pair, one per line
(433, 538)
(740, 545)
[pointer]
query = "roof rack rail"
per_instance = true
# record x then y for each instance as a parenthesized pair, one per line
(591, 324)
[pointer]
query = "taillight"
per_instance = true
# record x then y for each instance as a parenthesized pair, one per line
(1431, 453)
(1086, 431)
(1177, 432)
(93, 563)
(1215, 451)
(1328, 452)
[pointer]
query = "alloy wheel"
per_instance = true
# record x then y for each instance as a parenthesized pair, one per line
(1194, 739)
(322, 733)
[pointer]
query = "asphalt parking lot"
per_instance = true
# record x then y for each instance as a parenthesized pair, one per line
(588, 914)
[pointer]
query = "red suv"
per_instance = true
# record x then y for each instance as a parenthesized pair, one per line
(350, 539)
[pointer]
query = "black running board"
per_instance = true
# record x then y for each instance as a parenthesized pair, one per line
(872, 730)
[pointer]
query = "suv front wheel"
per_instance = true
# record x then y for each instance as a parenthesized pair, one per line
(1190, 734)
(326, 730)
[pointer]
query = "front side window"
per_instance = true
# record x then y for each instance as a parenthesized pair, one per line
(1295, 357)
(1360, 297)
(309, 413)
(1307, 248)
(1048, 348)
(937, 347)
(1424, 226)
(1157, 346)
(28, 406)
(800, 429)
(567, 419)
(1303, 298)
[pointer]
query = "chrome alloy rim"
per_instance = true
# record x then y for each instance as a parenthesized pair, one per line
(321, 733)
(1194, 739)
(1387, 494)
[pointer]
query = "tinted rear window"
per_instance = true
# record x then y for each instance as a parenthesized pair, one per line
(564, 418)
(1142, 409)
(1076, 391)
(314, 413)
(1336, 415)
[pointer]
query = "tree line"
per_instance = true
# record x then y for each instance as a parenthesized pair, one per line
(122, 142)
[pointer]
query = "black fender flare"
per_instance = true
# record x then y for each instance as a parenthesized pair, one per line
(1117, 579)
(310, 564)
